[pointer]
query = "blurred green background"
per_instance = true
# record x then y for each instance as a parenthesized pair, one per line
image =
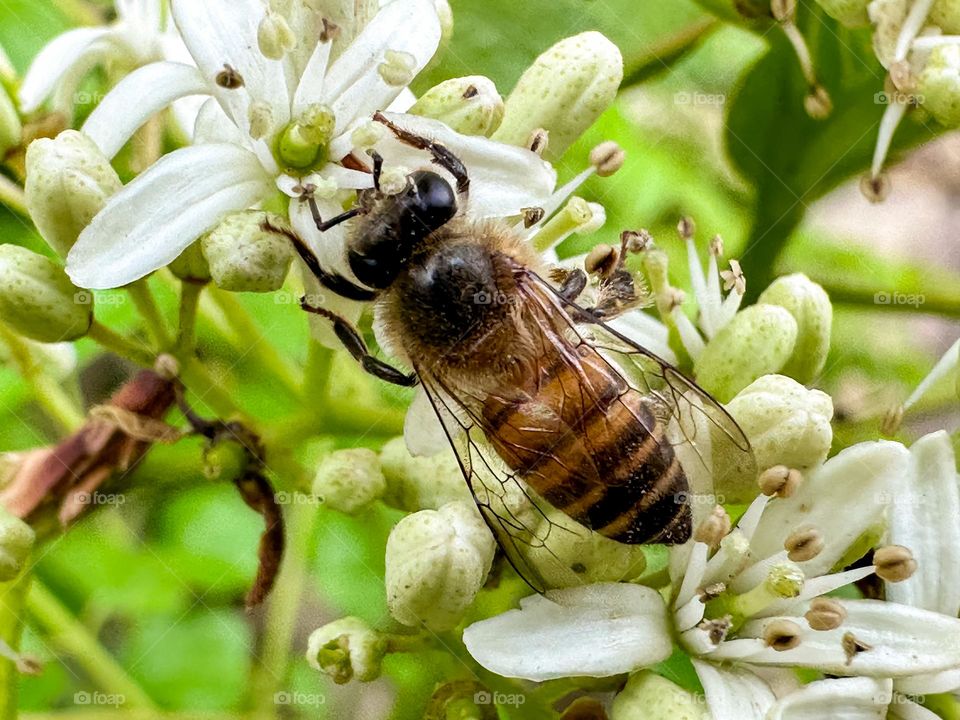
(714, 129)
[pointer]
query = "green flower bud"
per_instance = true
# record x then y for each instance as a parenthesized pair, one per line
(243, 257)
(648, 696)
(469, 105)
(16, 541)
(349, 480)
(576, 557)
(887, 17)
(11, 130)
(852, 13)
(939, 84)
(274, 36)
(69, 180)
(345, 649)
(437, 561)
(38, 300)
(419, 483)
(563, 92)
(811, 308)
(945, 14)
(758, 341)
(191, 265)
(786, 423)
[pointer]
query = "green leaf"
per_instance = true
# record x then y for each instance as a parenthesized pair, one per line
(790, 158)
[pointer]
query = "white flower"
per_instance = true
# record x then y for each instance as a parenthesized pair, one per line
(749, 602)
(270, 126)
(138, 36)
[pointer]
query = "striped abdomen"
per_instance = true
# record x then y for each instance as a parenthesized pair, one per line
(591, 447)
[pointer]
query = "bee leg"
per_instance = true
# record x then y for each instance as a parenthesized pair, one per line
(441, 154)
(353, 342)
(377, 168)
(331, 281)
(324, 225)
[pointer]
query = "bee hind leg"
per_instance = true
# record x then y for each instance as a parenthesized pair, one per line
(355, 345)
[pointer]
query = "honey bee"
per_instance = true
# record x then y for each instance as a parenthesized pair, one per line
(554, 415)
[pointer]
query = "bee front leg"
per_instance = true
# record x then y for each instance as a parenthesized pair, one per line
(355, 345)
(441, 154)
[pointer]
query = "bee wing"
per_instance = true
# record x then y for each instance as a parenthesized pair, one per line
(526, 527)
(711, 446)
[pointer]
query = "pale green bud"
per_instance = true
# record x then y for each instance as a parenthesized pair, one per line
(469, 105)
(852, 13)
(69, 180)
(11, 130)
(16, 541)
(349, 480)
(244, 257)
(563, 92)
(786, 423)
(577, 557)
(757, 341)
(945, 14)
(785, 580)
(418, 483)
(346, 649)
(887, 17)
(437, 561)
(810, 306)
(38, 300)
(939, 84)
(191, 265)
(648, 696)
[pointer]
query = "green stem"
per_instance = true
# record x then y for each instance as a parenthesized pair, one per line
(206, 389)
(12, 595)
(661, 55)
(72, 637)
(271, 670)
(13, 197)
(150, 312)
(864, 297)
(254, 339)
(119, 345)
(56, 402)
(189, 302)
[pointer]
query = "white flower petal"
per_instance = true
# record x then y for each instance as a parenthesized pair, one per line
(945, 369)
(932, 684)
(905, 709)
(696, 566)
(310, 89)
(154, 218)
(135, 99)
(689, 335)
(924, 519)
(422, 430)
(838, 699)
(224, 32)
(904, 641)
(646, 331)
(503, 179)
(858, 480)
(594, 631)
(213, 126)
(707, 305)
(558, 198)
(53, 61)
(733, 693)
(354, 88)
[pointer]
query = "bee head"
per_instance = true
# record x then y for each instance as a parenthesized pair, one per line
(400, 225)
